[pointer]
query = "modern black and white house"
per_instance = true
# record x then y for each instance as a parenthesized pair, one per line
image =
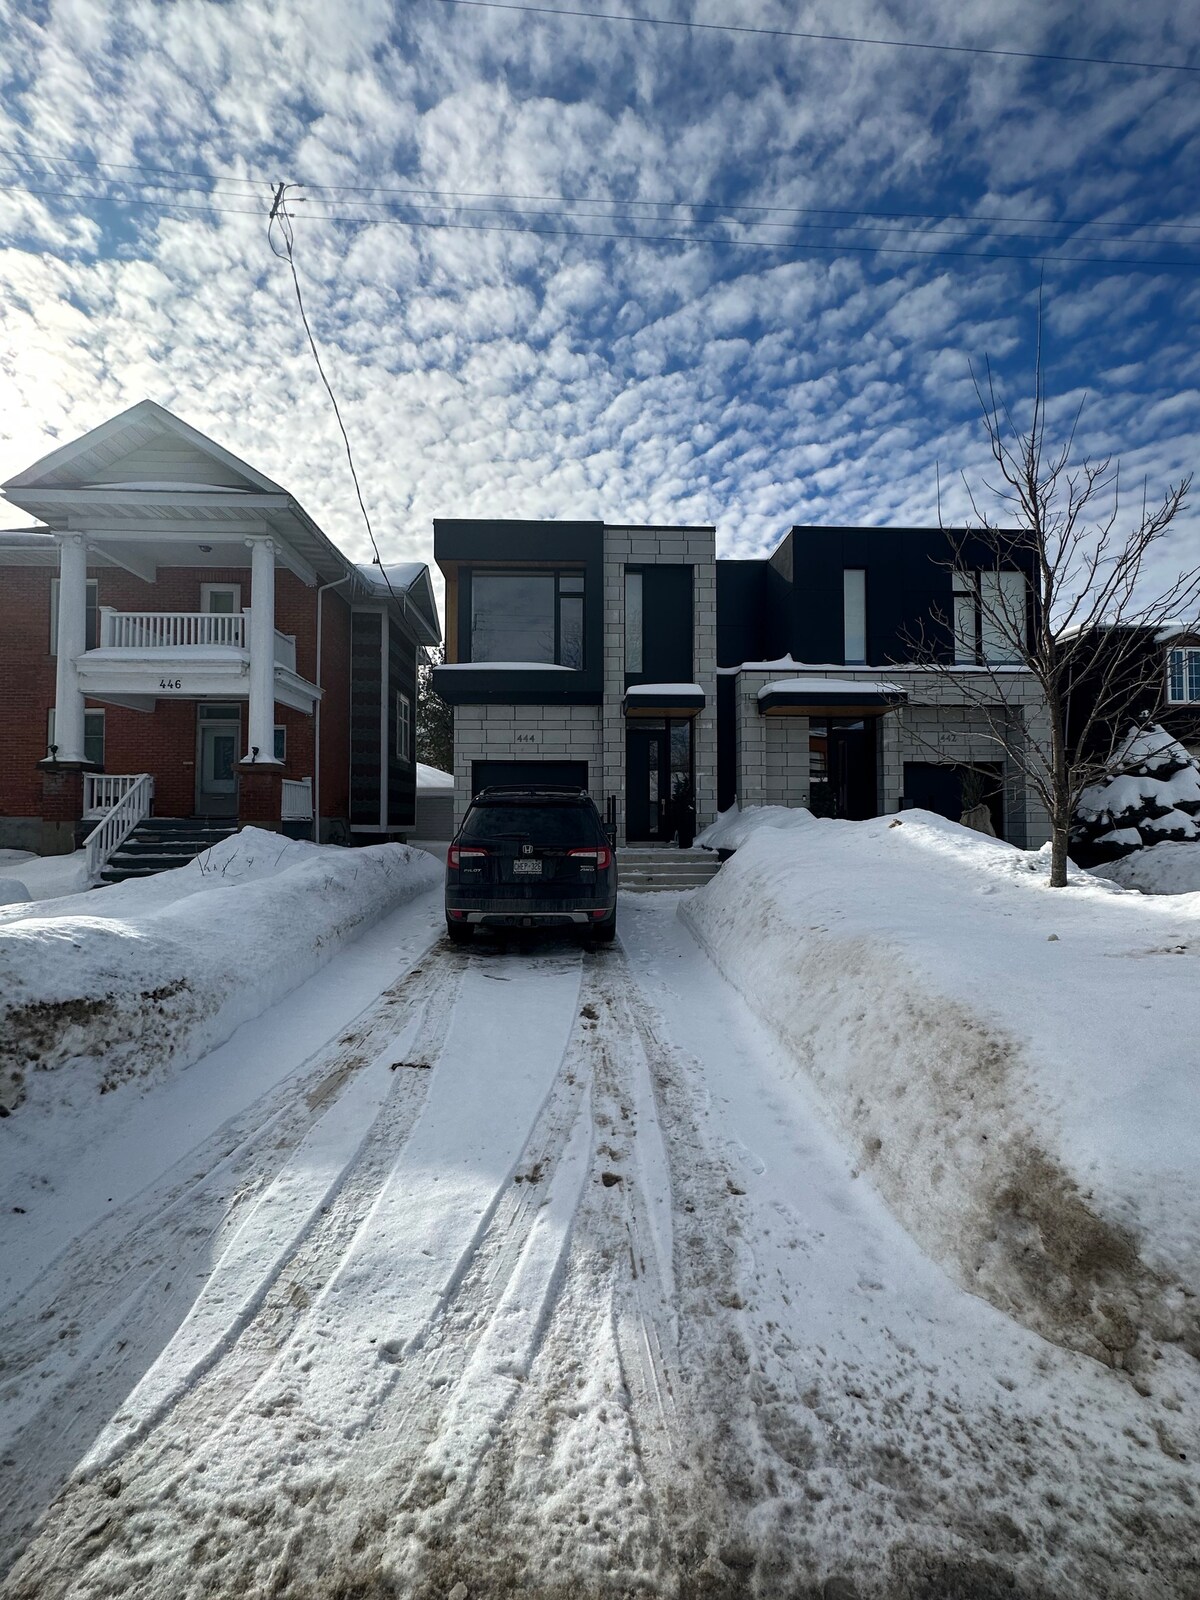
(633, 662)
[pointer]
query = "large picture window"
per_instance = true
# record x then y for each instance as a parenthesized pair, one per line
(528, 616)
(990, 619)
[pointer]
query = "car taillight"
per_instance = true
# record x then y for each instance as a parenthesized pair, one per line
(600, 854)
(458, 853)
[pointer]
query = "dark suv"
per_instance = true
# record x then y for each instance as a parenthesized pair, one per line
(531, 858)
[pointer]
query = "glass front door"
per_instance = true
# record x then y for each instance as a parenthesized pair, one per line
(658, 777)
(216, 770)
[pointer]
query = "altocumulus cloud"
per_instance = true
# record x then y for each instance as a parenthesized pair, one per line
(488, 370)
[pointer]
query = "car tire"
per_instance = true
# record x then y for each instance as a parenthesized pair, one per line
(459, 932)
(605, 932)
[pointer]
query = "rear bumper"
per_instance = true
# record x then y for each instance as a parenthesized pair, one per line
(528, 919)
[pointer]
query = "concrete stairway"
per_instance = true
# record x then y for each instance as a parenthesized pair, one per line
(647, 867)
(161, 843)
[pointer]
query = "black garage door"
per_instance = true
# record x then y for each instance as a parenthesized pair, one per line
(486, 774)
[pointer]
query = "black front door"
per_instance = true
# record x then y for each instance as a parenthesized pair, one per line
(648, 777)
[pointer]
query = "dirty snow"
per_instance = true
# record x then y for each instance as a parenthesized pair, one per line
(1015, 1066)
(150, 974)
(545, 1273)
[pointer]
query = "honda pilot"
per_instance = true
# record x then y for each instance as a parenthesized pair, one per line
(531, 858)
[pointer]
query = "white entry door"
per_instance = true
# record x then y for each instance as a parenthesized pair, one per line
(216, 787)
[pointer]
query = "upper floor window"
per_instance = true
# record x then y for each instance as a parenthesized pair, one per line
(854, 616)
(990, 621)
(91, 637)
(1183, 676)
(633, 622)
(403, 726)
(527, 616)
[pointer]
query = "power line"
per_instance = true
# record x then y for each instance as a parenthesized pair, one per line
(795, 246)
(825, 38)
(280, 218)
(210, 181)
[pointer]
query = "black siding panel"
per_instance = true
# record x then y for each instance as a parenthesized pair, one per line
(364, 718)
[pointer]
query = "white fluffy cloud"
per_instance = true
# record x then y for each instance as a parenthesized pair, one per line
(510, 373)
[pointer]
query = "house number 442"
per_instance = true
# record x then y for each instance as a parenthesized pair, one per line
(525, 738)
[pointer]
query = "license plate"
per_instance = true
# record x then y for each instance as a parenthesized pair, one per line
(527, 869)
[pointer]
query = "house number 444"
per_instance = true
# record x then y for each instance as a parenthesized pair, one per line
(526, 738)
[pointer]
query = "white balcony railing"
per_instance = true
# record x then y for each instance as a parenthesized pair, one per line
(118, 822)
(102, 790)
(285, 650)
(297, 800)
(167, 630)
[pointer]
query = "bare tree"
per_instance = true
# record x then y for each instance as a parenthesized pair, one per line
(1088, 619)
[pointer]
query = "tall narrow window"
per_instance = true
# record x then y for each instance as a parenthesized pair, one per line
(1002, 616)
(966, 607)
(570, 620)
(854, 616)
(403, 727)
(91, 636)
(633, 622)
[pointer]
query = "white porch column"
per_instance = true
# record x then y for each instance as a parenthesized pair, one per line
(262, 652)
(71, 642)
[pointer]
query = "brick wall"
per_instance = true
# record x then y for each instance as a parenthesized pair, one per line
(162, 741)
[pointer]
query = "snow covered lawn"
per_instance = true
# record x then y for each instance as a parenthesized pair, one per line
(1169, 868)
(1017, 1068)
(43, 877)
(151, 974)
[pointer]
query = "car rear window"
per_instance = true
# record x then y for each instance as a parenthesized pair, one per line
(543, 824)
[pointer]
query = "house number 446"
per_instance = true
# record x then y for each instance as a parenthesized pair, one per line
(170, 683)
(526, 738)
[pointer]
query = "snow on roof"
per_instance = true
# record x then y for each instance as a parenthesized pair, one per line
(649, 691)
(37, 537)
(433, 777)
(827, 686)
(399, 574)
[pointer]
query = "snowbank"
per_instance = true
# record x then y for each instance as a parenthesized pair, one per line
(733, 827)
(1158, 869)
(120, 982)
(45, 877)
(1017, 1067)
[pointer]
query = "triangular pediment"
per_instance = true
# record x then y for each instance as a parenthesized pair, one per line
(146, 447)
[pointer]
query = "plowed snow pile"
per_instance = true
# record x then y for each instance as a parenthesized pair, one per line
(131, 979)
(1017, 1067)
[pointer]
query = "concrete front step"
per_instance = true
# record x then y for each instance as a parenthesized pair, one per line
(646, 870)
(160, 844)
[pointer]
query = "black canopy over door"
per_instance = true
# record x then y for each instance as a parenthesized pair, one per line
(648, 778)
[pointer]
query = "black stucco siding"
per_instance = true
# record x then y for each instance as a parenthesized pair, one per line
(365, 689)
(402, 772)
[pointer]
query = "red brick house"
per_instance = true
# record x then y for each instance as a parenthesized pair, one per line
(181, 638)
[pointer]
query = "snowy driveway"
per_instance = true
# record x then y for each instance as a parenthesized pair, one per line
(541, 1275)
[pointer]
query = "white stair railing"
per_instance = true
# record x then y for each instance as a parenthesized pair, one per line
(102, 790)
(165, 630)
(117, 823)
(297, 800)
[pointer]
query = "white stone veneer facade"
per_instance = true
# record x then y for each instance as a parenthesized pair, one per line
(935, 722)
(596, 733)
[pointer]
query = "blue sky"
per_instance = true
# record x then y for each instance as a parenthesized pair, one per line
(510, 373)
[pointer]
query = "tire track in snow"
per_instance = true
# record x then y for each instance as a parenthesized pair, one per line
(297, 1395)
(131, 1287)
